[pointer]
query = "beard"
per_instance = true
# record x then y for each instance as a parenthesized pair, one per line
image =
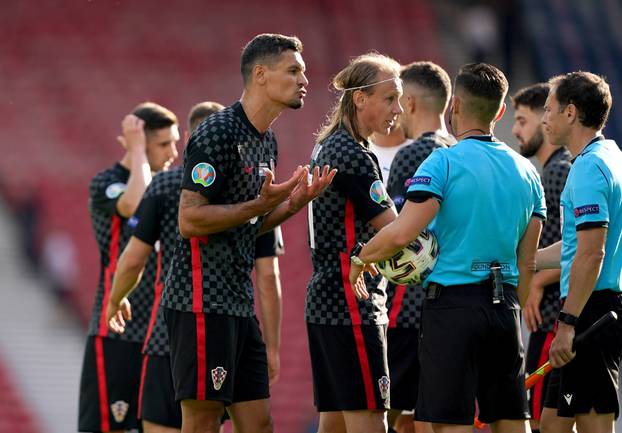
(533, 144)
(295, 104)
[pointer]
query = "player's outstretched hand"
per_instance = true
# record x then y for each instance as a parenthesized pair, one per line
(116, 315)
(273, 194)
(357, 278)
(311, 186)
(133, 138)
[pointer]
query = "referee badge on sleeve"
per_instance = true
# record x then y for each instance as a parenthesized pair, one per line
(204, 174)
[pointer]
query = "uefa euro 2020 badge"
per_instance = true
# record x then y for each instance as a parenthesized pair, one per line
(119, 410)
(114, 190)
(204, 174)
(377, 192)
(218, 377)
(384, 384)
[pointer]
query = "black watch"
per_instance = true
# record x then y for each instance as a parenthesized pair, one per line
(568, 319)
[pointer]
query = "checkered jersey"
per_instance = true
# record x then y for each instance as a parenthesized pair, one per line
(112, 232)
(224, 161)
(157, 221)
(554, 174)
(405, 303)
(339, 218)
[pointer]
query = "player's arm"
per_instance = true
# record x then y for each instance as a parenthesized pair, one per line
(135, 142)
(531, 310)
(197, 217)
(549, 257)
(304, 191)
(129, 270)
(270, 303)
(526, 257)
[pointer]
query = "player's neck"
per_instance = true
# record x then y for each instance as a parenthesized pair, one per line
(395, 138)
(544, 153)
(428, 123)
(579, 138)
(469, 127)
(259, 111)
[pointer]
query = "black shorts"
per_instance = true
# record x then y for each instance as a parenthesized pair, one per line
(350, 368)
(538, 354)
(468, 350)
(109, 385)
(403, 348)
(157, 396)
(590, 380)
(217, 357)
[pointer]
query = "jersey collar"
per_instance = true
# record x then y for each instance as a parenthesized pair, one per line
(587, 146)
(239, 110)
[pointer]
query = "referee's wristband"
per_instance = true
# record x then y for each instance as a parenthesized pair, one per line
(568, 319)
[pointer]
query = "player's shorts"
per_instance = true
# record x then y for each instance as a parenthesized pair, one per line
(468, 350)
(538, 354)
(403, 348)
(157, 396)
(350, 368)
(217, 357)
(590, 380)
(109, 385)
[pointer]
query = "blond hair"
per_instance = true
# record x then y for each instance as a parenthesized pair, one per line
(361, 74)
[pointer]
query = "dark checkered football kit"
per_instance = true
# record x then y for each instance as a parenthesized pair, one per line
(357, 173)
(112, 233)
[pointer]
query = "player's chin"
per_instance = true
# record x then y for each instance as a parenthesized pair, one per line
(296, 103)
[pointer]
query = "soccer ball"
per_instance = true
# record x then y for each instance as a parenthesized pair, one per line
(414, 263)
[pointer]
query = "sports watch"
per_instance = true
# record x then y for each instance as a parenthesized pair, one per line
(354, 254)
(568, 319)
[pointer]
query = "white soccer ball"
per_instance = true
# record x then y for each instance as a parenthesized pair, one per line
(414, 263)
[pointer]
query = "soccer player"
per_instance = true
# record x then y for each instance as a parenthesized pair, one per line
(111, 367)
(218, 357)
(487, 204)
(156, 227)
(386, 146)
(540, 310)
(583, 387)
(427, 89)
(346, 335)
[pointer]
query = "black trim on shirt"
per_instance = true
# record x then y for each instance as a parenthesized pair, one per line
(239, 110)
(422, 196)
(592, 225)
(592, 141)
(488, 138)
(538, 215)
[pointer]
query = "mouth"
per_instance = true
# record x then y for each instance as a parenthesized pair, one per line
(302, 93)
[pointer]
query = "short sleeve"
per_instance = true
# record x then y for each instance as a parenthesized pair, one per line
(430, 178)
(364, 187)
(206, 161)
(105, 194)
(539, 202)
(146, 221)
(589, 195)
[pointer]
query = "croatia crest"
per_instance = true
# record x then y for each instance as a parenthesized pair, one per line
(384, 384)
(119, 410)
(218, 377)
(204, 174)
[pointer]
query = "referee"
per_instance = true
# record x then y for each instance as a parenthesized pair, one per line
(585, 390)
(487, 204)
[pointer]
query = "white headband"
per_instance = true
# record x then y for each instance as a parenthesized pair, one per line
(369, 85)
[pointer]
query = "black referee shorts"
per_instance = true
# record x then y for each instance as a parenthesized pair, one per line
(109, 385)
(217, 357)
(157, 396)
(471, 350)
(590, 380)
(349, 365)
(403, 355)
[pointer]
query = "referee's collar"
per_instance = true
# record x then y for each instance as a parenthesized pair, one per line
(488, 138)
(592, 141)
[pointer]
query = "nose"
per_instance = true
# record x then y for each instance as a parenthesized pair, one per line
(173, 154)
(515, 131)
(398, 108)
(303, 79)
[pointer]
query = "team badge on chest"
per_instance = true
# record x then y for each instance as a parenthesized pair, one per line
(218, 377)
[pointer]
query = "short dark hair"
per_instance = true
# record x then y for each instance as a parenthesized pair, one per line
(265, 48)
(430, 77)
(532, 97)
(155, 116)
(485, 87)
(201, 111)
(588, 92)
